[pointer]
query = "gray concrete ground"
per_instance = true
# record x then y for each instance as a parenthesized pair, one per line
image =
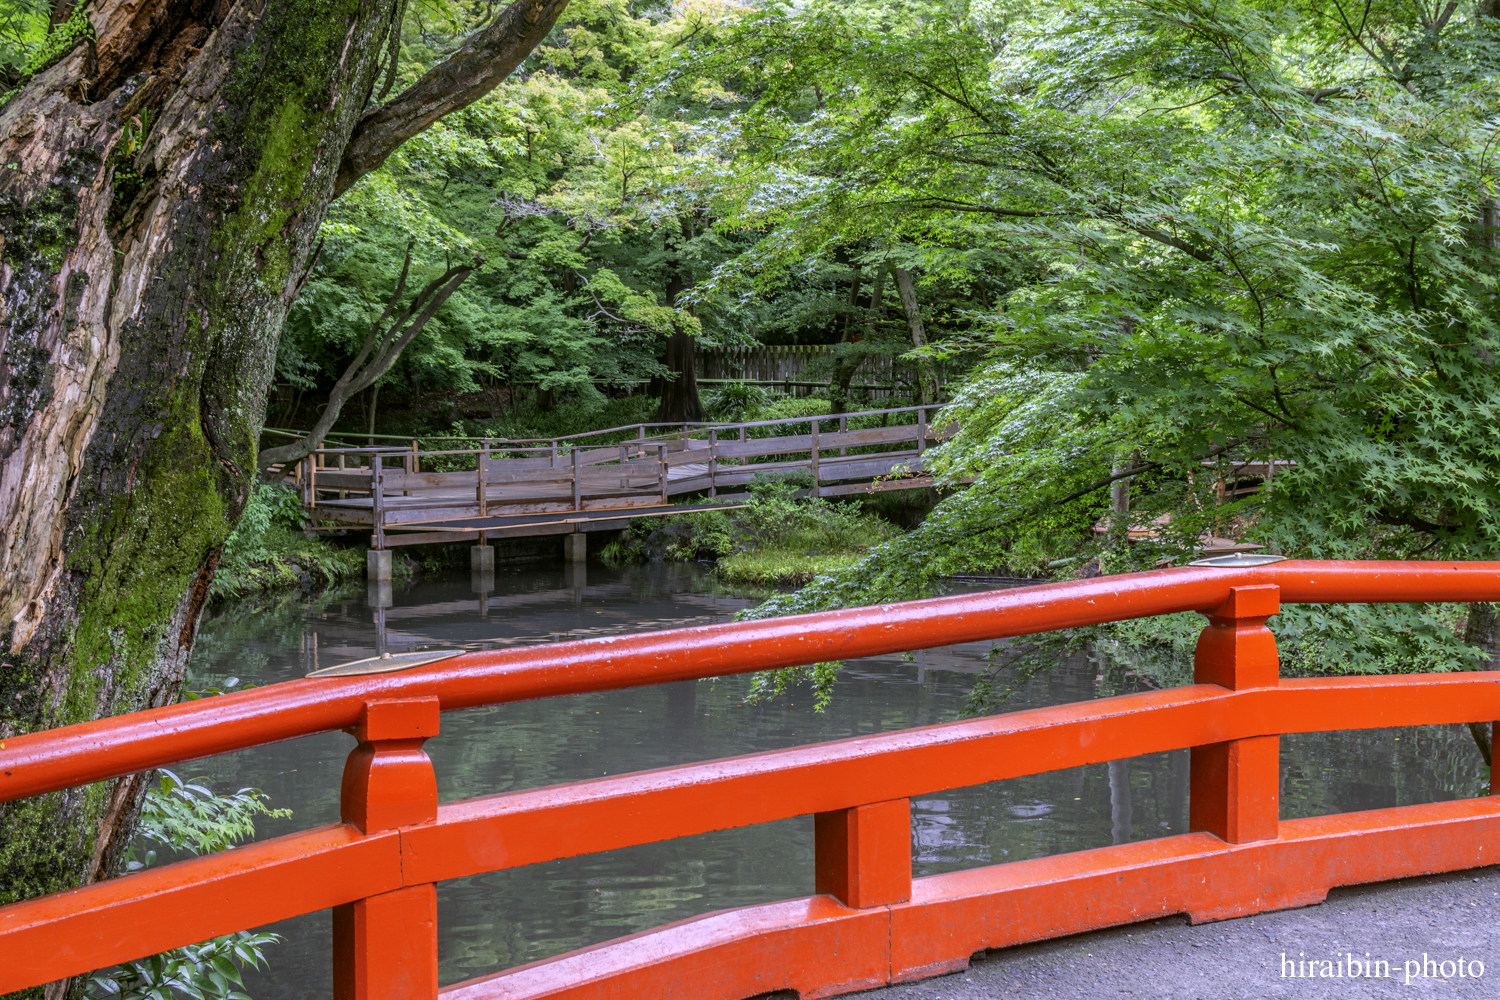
(1443, 918)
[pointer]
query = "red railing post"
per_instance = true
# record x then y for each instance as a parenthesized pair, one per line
(1235, 785)
(385, 946)
(863, 855)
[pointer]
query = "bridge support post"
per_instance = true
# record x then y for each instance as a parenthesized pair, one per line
(378, 565)
(385, 946)
(576, 547)
(482, 557)
(1235, 785)
(863, 855)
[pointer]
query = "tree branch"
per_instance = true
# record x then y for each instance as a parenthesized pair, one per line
(487, 57)
(361, 374)
(1406, 519)
(1172, 241)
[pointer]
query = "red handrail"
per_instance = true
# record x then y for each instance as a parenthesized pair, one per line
(378, 868)
(124, 744)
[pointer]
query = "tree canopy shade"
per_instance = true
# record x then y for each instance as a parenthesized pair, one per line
(1237, 231)
(166, 168)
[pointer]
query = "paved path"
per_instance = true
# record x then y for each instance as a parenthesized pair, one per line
(1445, 918)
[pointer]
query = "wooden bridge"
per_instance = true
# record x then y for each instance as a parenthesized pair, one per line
(603, 479)
(869, 922)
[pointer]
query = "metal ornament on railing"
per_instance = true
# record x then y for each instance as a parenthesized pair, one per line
(1239, 560)
(386, 663)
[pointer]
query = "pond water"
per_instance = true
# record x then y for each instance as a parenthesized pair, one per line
(497, 920)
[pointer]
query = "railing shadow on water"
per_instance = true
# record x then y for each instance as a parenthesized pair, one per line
(869, 922)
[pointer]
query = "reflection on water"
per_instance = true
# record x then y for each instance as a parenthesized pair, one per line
(500, 919)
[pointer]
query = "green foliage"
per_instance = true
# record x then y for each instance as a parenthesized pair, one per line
(707, 534)
(1207, 236)
(786, 539)
(778, 407)
(271, 506)
(581, 208)
(580, 414)
(269, 549)
(734, 402)
(28, 46)
(777, 538)
(1159, 240)
(591, 182)
(208, 971)
(188, 817)
(23, 30)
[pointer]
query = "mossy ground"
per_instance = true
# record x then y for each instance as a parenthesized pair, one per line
(777, 539)
(285, 559)
(271, 551)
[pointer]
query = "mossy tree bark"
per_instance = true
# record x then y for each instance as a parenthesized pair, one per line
(161, 185)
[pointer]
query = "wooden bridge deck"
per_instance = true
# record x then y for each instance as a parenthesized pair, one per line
(603, 479)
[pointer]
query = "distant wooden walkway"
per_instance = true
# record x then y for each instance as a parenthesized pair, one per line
(603, 479)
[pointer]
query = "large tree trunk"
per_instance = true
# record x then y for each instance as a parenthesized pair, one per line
(927, 388)
(143, 296)
(169, 178)
(679, 394)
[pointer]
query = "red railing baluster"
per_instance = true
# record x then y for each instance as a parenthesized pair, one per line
(863, 855)
(1494, 771)
(385, 946)
(1235, 785)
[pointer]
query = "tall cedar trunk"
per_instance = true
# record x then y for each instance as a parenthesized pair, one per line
(679, 394)
(165, 182)
(846, 357)
(926, 374)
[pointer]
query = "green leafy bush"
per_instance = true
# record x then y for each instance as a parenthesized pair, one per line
(269, 549)
(778, 537)
(734, 402)
(206, 971)
(187, 817)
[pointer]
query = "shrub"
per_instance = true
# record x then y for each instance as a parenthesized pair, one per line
(734, 402)
(188, 817)
(777, 537)
(269, 548)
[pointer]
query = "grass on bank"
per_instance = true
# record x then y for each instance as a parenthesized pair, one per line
(778, 538)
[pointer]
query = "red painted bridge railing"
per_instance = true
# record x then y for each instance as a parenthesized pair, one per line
(871, 922)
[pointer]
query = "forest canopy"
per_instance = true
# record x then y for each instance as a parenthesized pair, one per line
(1173, 233)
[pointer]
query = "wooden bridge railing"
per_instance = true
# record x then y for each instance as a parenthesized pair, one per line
(386, 488)
(870, 922)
